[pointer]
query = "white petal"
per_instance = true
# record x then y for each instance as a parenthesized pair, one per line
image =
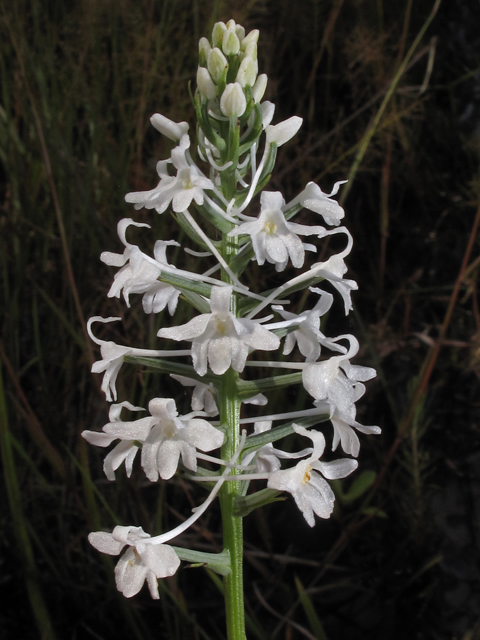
(284, 131)
(130, 574)
(200, 356)
(116, 456)
(167, 458)
(318, 378)
(336, 468)
(202, 435)
(105, 543)
(168, 128)
(220, 354)
(220, 299)
(188, 331)
(135, 430)
(320, 496)
(161, 559)
(99, 439)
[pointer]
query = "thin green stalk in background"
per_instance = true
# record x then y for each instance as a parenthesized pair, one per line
(19, 524)
(365, 141)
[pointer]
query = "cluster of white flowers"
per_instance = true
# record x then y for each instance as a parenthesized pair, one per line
(232, 120)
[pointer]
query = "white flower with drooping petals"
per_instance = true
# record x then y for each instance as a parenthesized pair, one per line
(310, 491)
(140, 562)
(202, 396)
(129, 433)
(273, 238)
(313, 198)
(173, 436)
(334, 380)
(339, 383)
(112, 359)
(333, 270)
(179, 190)
(113, 356)
(344, 434)
(266, 459)
(308, 335)
(139, 273)
(221, 339)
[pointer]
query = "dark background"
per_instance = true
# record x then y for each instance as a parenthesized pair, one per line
(79, 81)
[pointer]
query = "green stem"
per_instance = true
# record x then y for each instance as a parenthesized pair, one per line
(232, 525)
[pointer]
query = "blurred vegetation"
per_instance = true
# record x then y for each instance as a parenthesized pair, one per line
(390, 98)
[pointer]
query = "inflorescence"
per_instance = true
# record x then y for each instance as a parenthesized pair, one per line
(211, 198)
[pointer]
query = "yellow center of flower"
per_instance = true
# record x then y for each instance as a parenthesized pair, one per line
(187, 183)
(169, 430)
(270, 228)
(307, 476)
(222, 326)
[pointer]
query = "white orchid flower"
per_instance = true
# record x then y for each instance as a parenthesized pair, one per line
(129, 433)
(180, 190)
(266, 459)
(313, 198)
(310, 491)
(139, 273)
(221, 339)
(333, 270)
(202, 396)
(344, 434)
(308, 335)
(273, 238)
(113, 356)
(172, 436)
(336, 381)
(140, 562)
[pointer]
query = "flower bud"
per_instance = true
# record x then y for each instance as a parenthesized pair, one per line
(216, 63)
(230, 43)
(284, 131)
(240, 31)
(205, 84)
(259, 87)
(252, 37)
(246, 74)
(268, 109)
(172, 130)
(217, 34)
(251, 51)
(204, 49)
(233, 102)
(231, 24)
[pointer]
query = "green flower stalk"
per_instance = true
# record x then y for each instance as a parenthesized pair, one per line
(230, 219)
